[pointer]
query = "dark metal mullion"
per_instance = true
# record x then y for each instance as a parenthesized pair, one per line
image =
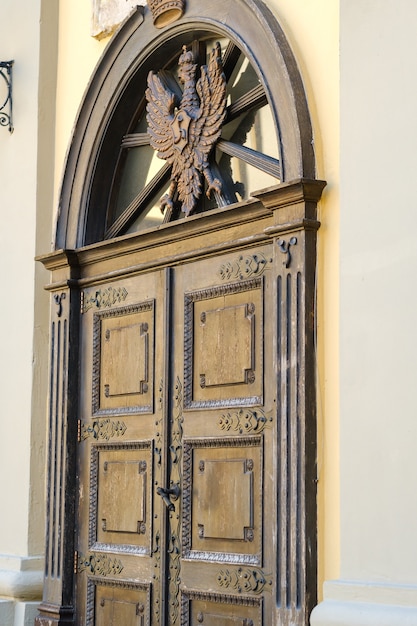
(135, 140)
(230, 58)
(252, 157)
(254, 98)
(131, 212)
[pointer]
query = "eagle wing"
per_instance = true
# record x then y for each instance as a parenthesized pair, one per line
(211, 89)
(160, 108)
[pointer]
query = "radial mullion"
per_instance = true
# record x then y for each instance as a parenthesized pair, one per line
(230, 58)
(131, 212)
(255, 98)
(252, 157)
(135, 140)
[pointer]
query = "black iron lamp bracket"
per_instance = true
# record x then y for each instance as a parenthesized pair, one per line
(6, 104)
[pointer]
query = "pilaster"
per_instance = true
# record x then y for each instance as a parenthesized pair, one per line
(295, 234)
(56, 607)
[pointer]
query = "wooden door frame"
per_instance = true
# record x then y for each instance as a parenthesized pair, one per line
(282, 211)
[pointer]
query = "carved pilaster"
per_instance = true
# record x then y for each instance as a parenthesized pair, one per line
(57, 605)
(294, 236)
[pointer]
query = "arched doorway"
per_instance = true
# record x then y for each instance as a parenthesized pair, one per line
(182, 409)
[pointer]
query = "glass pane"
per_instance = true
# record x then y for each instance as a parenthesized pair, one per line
(151, 215)
(253, 129)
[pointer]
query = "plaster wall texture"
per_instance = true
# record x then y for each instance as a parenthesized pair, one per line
(378, 263)
(18, 156)
(26, 36)
(378, 301)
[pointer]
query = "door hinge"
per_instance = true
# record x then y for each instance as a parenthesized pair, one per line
(82, 298)
(75, 561)
(78, 431)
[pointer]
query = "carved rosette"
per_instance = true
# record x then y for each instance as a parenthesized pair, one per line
(244, 421)
(101, 429)
(102, 298)
(244, 267)
(99, 565)
(244, 580)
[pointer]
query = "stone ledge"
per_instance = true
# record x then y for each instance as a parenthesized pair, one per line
(348, 603)
(21, 578)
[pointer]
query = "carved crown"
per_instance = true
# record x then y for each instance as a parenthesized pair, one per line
(166, 11)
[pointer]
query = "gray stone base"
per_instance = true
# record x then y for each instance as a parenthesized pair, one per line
(15, 613)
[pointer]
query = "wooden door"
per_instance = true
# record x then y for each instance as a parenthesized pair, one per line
(122, 453)
(225, 415)
(176, 446)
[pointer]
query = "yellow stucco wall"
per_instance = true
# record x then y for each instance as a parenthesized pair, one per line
(312, 29)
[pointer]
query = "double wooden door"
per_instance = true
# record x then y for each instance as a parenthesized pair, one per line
(177, 445)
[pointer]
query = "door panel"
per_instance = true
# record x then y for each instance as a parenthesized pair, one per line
(228, 443)
(177, 448)
(121, 519)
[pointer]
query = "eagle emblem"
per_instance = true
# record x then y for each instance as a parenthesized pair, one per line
(184, 132)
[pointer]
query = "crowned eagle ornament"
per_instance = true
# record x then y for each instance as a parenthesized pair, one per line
(185, 132)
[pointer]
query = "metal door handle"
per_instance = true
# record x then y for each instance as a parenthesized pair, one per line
(165, 494)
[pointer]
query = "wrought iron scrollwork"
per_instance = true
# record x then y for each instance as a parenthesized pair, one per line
(6, 119)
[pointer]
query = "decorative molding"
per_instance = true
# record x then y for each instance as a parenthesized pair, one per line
(166, 12)
(189, 300)
(244, 580)
(188, 454)
(236, 558)
(174, 541)
(156, 552)
(244, 267)
(220, 598)
(57, 415)
(244, 421)
(101, 429)
(97, 347)
(99, 565)
(92, 584)
(93, 501)
(158, 479)
(102, 298)
(284, 247)
(58, 298)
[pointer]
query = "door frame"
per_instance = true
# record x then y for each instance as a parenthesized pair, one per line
(287, 214)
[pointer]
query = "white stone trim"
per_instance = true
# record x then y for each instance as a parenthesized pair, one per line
(348, 603)
(21, 578)
(108, 14)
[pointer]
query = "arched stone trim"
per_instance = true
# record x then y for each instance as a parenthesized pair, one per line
(105, 113)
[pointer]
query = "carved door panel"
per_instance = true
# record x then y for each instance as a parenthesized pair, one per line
(223, 425)
(176, 475)
(120, 457)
